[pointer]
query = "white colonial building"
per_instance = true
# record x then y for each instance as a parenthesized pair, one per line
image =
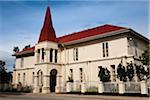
(49, 64)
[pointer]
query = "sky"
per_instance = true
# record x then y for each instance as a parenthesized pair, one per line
(21, 20)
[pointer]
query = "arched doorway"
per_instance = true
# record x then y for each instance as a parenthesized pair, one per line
(53, 75)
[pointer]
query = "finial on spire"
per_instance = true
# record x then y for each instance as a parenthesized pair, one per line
(48, 2)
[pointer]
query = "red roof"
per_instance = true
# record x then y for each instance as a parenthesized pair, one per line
(89, 32)
(80, 35)
(26, 50)
(47, 32)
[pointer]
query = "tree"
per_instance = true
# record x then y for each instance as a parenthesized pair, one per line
(141, 72)
(104, 74)
(27, 46)
(145, 57)
(121, 72)
(130, 71)
(16, 49)
(5, 77)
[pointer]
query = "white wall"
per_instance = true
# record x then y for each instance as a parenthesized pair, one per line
(116, 48)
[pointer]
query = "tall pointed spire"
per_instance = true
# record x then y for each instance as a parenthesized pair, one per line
(47, 32)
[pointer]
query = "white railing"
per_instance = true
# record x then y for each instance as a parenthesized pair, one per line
(111, 87)
(92, 86)
(132, 87)
(108, 87)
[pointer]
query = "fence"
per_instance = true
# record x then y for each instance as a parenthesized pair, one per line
(132, 87)
(108, 87)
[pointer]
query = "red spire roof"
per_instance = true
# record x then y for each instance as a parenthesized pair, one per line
(47, 32)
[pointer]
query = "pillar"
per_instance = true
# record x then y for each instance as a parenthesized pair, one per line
(100, 87)
(124, 62)
(46, 87)
(47, 56)
(144, 87)
(36, 87)
(121, 87)
(58, 84)
(75, 85)
(68, 87)
(83, 87)
(36, 56)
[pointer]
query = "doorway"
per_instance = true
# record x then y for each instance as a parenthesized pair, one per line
(53, 75)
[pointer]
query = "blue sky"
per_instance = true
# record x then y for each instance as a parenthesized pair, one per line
(21, 21)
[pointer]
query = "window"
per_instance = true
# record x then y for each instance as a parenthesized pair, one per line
(42, 53)
(75, 54)
(105, 49)
(38, 55)
(71, 73)
(24, 77)
(33, 77)
(81, 75)
(18, 77)
(51, 55)
(56, 51)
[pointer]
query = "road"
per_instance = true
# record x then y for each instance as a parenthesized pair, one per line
(66, 97)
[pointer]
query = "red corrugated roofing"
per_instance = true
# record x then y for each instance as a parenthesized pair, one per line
(47, 32)
(83, 34)
(26, 50)
(89, 32)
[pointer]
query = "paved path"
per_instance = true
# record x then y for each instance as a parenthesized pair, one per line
(66, 97)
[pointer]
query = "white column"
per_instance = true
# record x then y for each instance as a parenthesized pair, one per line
(59, 56)
(121, 87)
(75, 85)
(46, 56)
(69, 87)
(46, 87)
(36, 87)
(144, 87)
(36, 56)
(83, 87)
(58, 84)
(100, 87)
(124, 62)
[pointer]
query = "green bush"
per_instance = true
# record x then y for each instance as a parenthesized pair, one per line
(92, 89)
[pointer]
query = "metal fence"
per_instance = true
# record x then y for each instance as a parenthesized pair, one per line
(108, 87)
(92, 86)
(111, 87)
(132, 87)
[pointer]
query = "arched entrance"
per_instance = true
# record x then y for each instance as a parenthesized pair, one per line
(53, 75)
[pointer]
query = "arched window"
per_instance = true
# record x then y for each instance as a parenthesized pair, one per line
(40, 77)
(18, 77)
(33, 77)
(24, 78)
